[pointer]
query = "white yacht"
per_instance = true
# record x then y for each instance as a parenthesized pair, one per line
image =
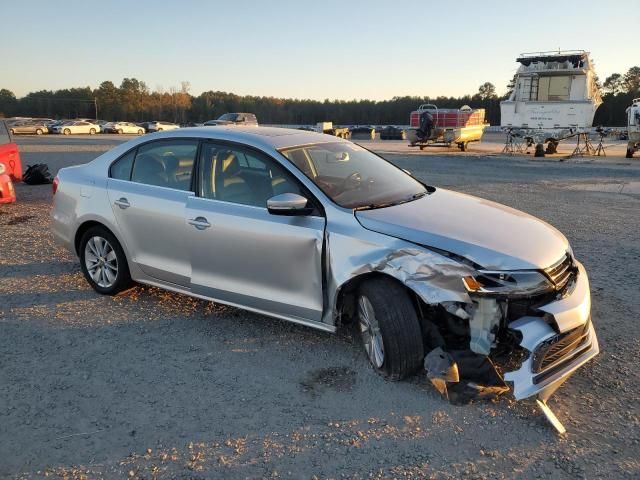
(555, 95)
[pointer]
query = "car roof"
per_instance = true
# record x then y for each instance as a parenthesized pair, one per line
(266, 137)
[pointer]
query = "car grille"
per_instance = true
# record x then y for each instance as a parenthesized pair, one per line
(553, 351)
(561, 272)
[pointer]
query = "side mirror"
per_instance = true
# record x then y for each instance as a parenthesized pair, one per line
(288, 204)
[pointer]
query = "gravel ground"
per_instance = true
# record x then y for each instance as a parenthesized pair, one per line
(151, 384)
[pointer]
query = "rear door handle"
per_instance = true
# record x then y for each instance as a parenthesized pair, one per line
(199, 222)
(122, 203)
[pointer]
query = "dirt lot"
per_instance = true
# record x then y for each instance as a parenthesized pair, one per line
(151, 384)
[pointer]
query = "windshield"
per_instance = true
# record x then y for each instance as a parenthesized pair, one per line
(354, 177)
(229, 117)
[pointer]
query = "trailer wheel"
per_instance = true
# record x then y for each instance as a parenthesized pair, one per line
(463, 146)
(552, 147)
(629, 153)
(539, 150)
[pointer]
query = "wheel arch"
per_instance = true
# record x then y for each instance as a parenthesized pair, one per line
(86, 225)
(346, 295)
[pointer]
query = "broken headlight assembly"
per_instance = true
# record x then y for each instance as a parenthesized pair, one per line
(495, 283)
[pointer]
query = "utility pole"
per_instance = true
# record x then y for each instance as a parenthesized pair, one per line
(95, 104)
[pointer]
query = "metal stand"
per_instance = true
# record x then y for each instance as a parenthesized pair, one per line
(600, 151)
(586, 149)
(513, 144)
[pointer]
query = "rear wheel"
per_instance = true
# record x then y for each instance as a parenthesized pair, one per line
(103, 261)
(66, 131)
(38, 131)
(92, 131)
(629, 153)
(389, 328)
(140, 132)
(12, 131)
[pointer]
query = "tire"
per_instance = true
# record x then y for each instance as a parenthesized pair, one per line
(39, 131)
(629, 153)
(159, 130)
(140, 132)
(552, 147)
(119, 131)
(539, 150)
(388, 319)
(463, 146)
(66, 131)
(92, 131)
(110, 282)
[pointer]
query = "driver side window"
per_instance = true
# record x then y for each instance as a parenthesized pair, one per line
(238, 175)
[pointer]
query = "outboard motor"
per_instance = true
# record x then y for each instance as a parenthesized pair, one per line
(426, 125)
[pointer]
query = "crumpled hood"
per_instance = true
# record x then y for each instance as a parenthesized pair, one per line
(490, 234)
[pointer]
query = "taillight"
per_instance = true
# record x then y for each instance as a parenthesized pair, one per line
(54, 185)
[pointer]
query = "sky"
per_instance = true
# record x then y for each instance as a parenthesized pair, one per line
(318, 49)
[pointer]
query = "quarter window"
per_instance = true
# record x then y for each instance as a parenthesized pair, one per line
(237, 175)
(121, 168)
(165, 164)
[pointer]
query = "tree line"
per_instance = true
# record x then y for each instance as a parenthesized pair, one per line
(134, 101)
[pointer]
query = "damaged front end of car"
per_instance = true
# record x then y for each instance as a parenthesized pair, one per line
(531, 329)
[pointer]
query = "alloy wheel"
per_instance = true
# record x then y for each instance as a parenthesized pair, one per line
(101, 261)
(370, 331)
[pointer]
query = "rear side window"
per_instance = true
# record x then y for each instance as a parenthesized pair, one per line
(4, 134)
(121, 168)
(167, 163)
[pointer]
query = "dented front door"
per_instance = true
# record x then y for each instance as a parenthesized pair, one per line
(245, 256)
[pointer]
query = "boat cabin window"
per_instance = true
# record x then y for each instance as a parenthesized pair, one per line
(543, 89)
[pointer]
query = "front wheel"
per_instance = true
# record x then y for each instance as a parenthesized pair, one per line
(39, 131)
(92, 131)
(12, 131)
(140, 132)
(119, 131)
(389, 328)
(103, 261)
(629, 153)
(66, 131)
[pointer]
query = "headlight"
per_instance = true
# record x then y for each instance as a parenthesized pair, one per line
(529, 282)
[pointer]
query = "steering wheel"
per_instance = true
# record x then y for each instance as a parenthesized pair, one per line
(352, 181)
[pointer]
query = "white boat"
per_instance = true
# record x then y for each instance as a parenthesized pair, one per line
(555, 95)
(633, 127)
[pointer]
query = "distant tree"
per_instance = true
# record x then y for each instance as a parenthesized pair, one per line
(486, 91)
(632, 80)
(8, 102)
(510, 86)
(613, 84)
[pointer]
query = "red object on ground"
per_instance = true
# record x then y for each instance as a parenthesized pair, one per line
(450, 117)
(7, 193)
(9, 155)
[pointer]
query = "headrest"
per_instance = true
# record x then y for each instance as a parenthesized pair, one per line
(149, 164)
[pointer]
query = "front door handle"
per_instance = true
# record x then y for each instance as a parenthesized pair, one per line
(122, 203)
(199, 222)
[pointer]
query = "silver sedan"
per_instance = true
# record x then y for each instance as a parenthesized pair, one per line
(322, 232)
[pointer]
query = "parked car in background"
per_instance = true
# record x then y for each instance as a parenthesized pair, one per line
(161, 126)
(106, 127)
(28, 128)
(126, 127)
(74, 127)
(392, 133)
(233, 119)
